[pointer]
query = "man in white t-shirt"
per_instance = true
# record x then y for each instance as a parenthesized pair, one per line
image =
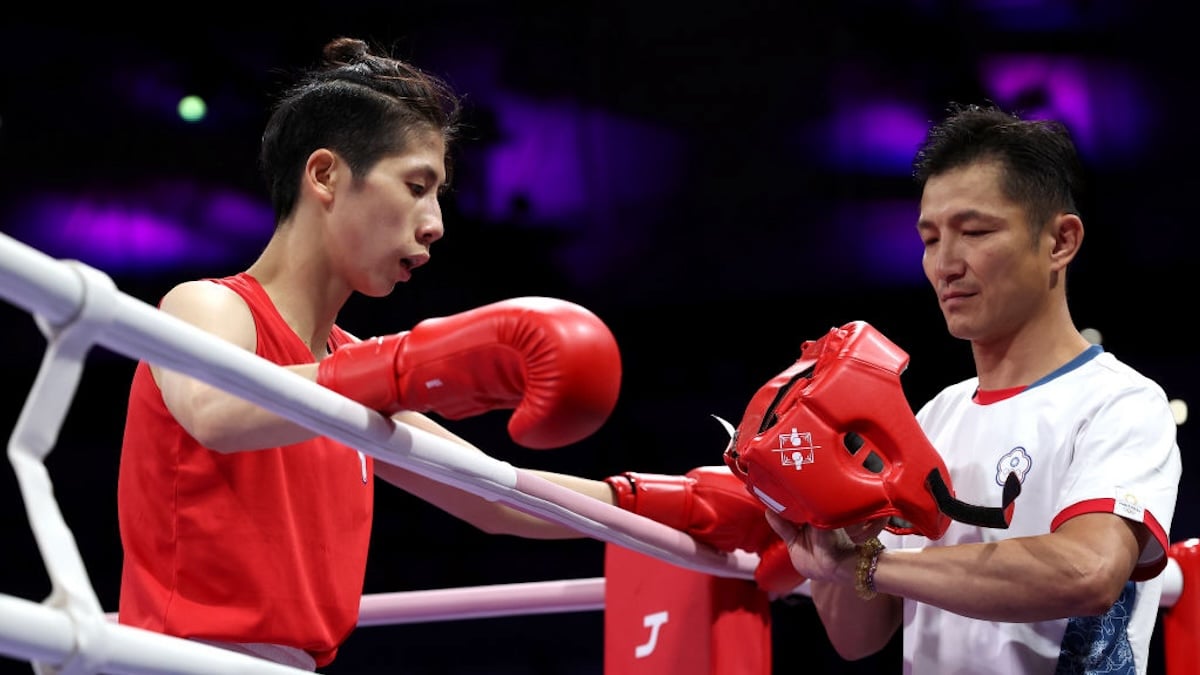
(1072, 584)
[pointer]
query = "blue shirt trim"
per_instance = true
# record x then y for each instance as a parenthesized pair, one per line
(1087, 355)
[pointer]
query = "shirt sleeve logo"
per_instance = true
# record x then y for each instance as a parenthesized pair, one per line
(1127, 504)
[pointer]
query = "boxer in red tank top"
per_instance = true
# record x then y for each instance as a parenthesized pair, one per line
(247, 530)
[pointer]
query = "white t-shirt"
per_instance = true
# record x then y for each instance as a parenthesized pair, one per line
(1094, 436)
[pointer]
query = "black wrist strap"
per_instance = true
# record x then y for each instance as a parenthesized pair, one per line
(971, 514)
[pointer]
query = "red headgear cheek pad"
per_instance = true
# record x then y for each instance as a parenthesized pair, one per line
(832, 441)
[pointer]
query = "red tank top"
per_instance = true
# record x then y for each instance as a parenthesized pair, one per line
(261, 546)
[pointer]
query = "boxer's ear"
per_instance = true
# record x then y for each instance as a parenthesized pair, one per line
(322, 172)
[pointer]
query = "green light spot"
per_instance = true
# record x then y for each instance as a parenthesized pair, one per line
(192, 108)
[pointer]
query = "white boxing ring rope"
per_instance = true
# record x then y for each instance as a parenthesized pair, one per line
(77, 307)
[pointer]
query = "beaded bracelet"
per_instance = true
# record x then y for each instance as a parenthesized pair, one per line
(868, 560)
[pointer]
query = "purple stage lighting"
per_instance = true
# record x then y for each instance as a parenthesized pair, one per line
(152, 229)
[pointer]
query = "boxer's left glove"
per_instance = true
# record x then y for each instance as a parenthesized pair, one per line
(554, 363)
(709, 503)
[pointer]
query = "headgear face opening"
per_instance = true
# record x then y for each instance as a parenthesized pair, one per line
(831, 441)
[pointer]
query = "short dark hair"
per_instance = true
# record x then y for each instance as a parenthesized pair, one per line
(359, 103)
(1040, 164)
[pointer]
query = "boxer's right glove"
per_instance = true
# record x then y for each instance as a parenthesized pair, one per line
(775, 574)
(553, 362)
(709, 503)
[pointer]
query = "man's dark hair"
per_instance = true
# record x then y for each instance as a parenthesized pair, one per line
(1040, 164)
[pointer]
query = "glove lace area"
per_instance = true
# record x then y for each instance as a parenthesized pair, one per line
(868, 560)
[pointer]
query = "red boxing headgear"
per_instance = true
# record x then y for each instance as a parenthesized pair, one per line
(832, 441)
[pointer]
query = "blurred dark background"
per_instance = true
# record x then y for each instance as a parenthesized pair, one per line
(717, 182)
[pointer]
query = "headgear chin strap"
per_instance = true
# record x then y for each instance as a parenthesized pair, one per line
(832, 441)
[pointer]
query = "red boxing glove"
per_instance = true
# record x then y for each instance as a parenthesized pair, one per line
(709, 503)
(775, 574)
(551, 361)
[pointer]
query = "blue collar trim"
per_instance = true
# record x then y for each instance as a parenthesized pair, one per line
(1087, 355)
